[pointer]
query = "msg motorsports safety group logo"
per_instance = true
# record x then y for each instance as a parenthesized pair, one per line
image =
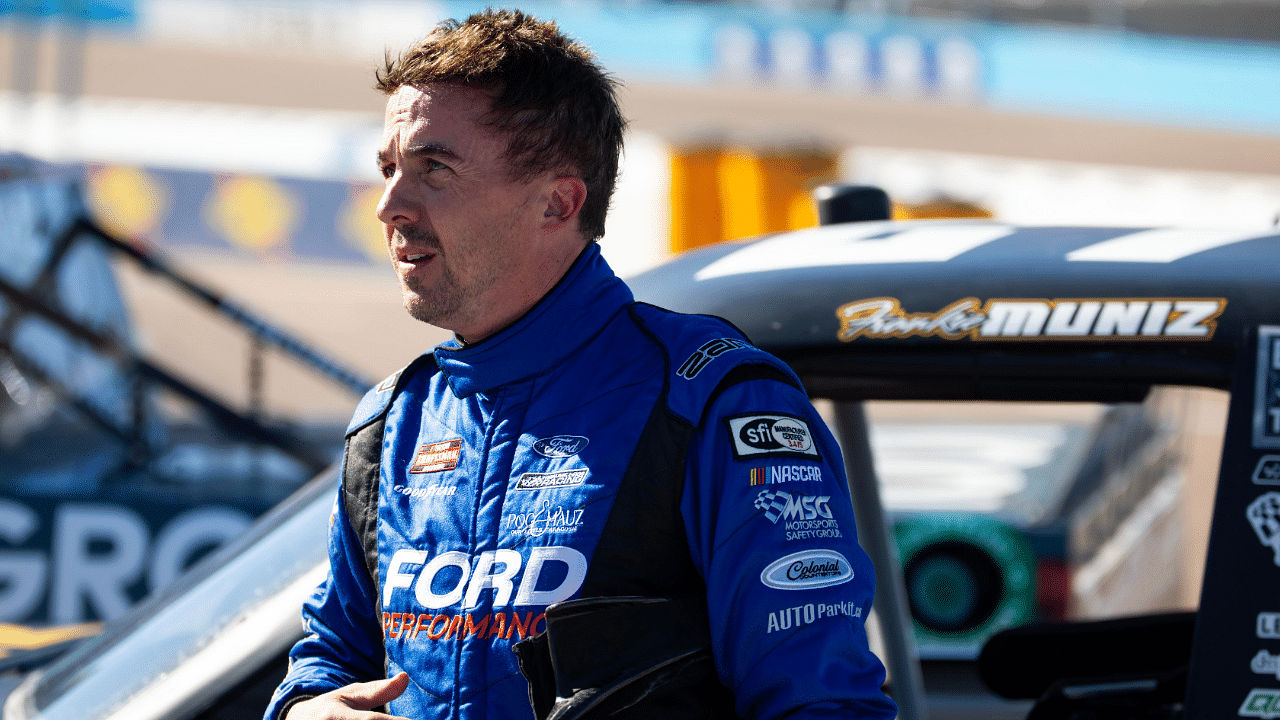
(1037, 319)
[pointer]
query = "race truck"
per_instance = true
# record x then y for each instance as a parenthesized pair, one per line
(1025, 413)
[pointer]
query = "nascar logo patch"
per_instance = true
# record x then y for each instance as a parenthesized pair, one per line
(437, 457)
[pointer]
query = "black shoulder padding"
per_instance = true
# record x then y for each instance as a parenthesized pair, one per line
(744, 373)
(361, 468)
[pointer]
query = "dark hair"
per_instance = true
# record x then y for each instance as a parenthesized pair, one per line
(557, 107)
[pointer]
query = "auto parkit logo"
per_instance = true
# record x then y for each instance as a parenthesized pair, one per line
(760, 435)
(560, 446)
(779, 474)
(806, 614)
(807, 570)
(709, 351)
(1036, 319)
(1264, 516)
(437, 457)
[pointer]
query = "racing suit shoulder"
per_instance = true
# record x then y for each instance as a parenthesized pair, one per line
(376, 402)
(705, 354)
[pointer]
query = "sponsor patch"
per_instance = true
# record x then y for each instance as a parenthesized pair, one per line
(1261, 703)
(1039, 319)
(770, 435)
(778, 474)
(804, 517)
(435, 457)
(560, 446)
(429, 627)
(1269, 625)
(544, 520)
(793, 506)
(806, 570)
(709, 351)
(1264, 516)
(802, 615)
(1266, 402)
(1268, 471)
(547, 481)
(1264, 663)
(426, 492)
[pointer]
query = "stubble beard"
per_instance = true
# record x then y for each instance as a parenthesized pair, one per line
(437, 303)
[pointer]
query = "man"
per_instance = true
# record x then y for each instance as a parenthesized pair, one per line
(578, 486)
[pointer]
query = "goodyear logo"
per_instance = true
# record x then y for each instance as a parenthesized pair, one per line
(1037, 319)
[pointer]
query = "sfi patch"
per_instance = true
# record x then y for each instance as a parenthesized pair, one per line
(437, 457)
(772, 435)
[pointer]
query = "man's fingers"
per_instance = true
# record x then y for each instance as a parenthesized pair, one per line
(353, 702)
(369, 695)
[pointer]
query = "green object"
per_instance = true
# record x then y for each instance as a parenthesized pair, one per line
(967, 577)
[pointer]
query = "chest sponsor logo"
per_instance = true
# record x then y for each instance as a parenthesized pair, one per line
(1264, 516)
(413, 628)
(1036, 319)
(1266, 402)
(758, 436)
(709, 351)
(544, 520)
(429, 491)
(1261, 703)
(1268, 471)
(1269, 626)
(436, 457)
(779, 474)
(806, 570)
(802, 615)
(547, 481)
(452, 577)
(560, 446)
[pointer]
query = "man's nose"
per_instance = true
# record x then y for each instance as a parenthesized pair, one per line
(396, 207)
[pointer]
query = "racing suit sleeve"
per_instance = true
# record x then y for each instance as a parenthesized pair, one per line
(343, 641)
(770, 527)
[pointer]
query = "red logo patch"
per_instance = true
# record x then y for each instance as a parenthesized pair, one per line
(435, 457)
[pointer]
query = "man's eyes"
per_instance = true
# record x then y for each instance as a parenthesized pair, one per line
(428, 165)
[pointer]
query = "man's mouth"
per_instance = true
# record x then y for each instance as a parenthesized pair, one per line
(414, 257)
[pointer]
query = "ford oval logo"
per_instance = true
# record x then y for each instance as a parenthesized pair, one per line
(807, 569)
(560, 446)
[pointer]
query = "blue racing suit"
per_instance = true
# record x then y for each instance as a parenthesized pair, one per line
(597, 447)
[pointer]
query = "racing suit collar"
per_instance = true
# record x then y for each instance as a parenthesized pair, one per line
(577, 308)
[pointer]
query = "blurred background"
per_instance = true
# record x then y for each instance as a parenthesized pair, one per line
(232, 143)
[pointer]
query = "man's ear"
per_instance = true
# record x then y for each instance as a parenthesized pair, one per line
(564, 200)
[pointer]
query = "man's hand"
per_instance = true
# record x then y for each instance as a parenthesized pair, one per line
(353, 702)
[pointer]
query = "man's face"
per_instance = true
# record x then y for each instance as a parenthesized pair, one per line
(462, 235)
